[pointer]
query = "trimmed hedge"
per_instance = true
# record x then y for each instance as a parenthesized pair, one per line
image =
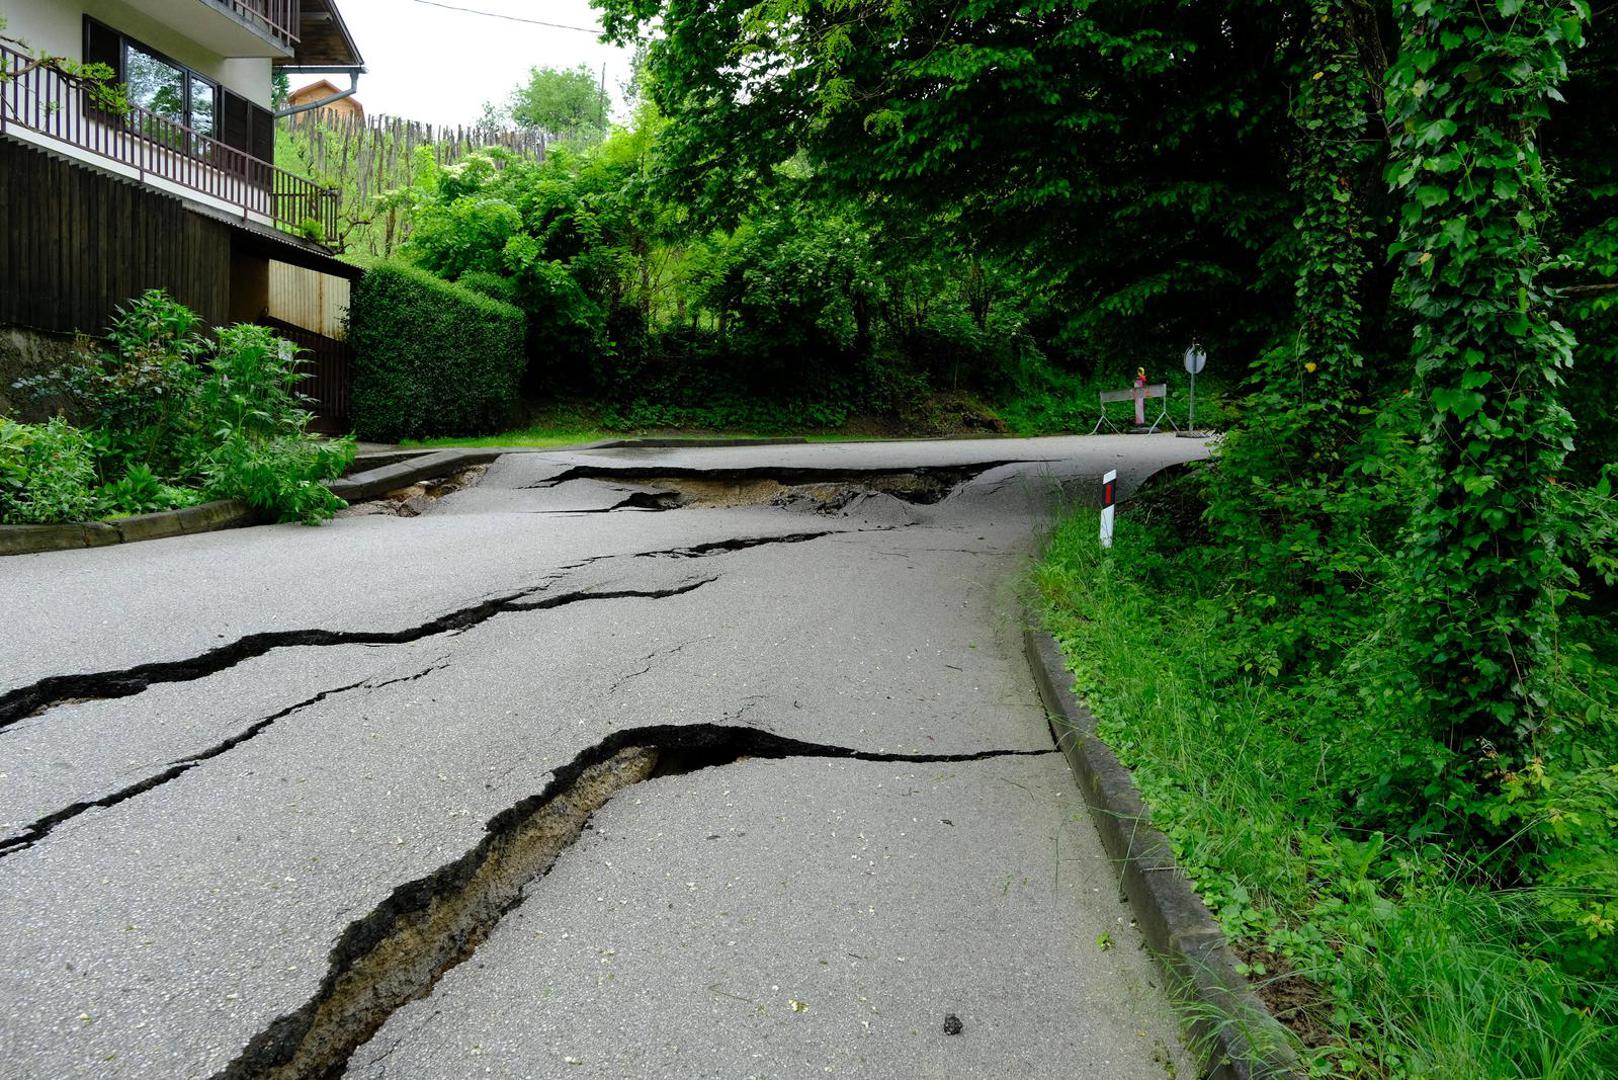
(430, 357)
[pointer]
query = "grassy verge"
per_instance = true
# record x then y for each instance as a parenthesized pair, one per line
(1388, 955)
(542, 435)
(1070, 403)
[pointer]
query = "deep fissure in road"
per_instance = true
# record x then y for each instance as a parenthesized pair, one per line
(55, 690)
(398, 951)
(41, 828)
(920, 484)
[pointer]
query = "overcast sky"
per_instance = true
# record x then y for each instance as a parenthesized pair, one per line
(426, 63)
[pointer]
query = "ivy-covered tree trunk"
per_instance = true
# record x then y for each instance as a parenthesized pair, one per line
(1471, 83)
(1332, 229)
(1279, 493)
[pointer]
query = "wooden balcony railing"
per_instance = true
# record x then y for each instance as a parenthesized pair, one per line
(277, 18)
(39, 97)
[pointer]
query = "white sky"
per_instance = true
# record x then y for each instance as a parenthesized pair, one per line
(425, 63)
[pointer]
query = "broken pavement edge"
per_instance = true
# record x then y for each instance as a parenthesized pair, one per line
(1234, 1035)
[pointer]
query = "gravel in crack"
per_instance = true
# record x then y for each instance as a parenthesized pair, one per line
(831, 497)
(417, 499)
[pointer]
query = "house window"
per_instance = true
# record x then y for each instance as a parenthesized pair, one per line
(164, 88)
(204, 104)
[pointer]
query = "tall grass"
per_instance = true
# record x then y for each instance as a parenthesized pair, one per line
(1392, 957)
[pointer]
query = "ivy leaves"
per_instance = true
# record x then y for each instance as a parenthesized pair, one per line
(1465, 97)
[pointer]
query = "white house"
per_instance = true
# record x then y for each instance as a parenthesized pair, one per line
(100, 201)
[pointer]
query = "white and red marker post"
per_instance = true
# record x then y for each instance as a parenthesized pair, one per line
(1109, 496)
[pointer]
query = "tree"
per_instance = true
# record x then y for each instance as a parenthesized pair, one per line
(1467, 94)
(566, 104)
(1135, 153)
(1283, 490)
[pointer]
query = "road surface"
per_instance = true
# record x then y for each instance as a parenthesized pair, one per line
(623, 763)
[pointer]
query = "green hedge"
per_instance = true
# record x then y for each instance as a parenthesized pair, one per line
(430, 358)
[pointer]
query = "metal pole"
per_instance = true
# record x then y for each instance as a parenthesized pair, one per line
(1192, 423)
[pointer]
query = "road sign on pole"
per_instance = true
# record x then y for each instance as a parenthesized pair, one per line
(1109, 496)
(1195, 360)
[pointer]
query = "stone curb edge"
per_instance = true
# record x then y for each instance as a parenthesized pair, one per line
(357, 487)
(1236, 1036)
(205, 517)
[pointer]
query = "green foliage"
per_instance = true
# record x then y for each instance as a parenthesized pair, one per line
(1287, 493)
(261, 450)
(1401, 954)
(564, 103)
(807, 311)
(138, 389)
(140, 491)
(279, 475)
(1582, 231)
(1044, 401)
(1466, 94)
(99, 81)
(489, 284)
(372, 163)
(172, 418)
(47, 473)
(430, 357)
(1133, 154)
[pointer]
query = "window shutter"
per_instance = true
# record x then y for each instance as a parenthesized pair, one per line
(234, 120)
(102, 45)
(262, 142)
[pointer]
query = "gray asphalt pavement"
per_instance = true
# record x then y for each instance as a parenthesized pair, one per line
(228, 761)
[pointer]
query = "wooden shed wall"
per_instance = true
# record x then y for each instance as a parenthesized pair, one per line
(309, 299)
(76, 242)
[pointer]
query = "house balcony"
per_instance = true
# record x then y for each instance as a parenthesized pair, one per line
(42, 105)
(232, 27)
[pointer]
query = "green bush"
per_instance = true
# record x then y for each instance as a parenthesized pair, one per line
(140, 492)
(430, 357)
(47, 473)
(135, 391)
(490, 284)
(168, 432)
(263, 453)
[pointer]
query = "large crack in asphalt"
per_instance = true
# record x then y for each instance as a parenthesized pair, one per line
(399, 950)
(720, 547)
(56, 690)
(33, 699)
(42, 827)
(921, 483)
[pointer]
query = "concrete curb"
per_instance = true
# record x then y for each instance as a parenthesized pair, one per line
(1234, 1034)
(207, 517)
(374, 482)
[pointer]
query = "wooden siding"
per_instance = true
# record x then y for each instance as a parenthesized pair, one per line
(309, 299)
(76, 242)
(329, 364)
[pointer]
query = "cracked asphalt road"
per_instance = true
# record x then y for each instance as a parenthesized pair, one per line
(219, 753)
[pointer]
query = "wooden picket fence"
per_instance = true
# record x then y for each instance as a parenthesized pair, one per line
(366, 158)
